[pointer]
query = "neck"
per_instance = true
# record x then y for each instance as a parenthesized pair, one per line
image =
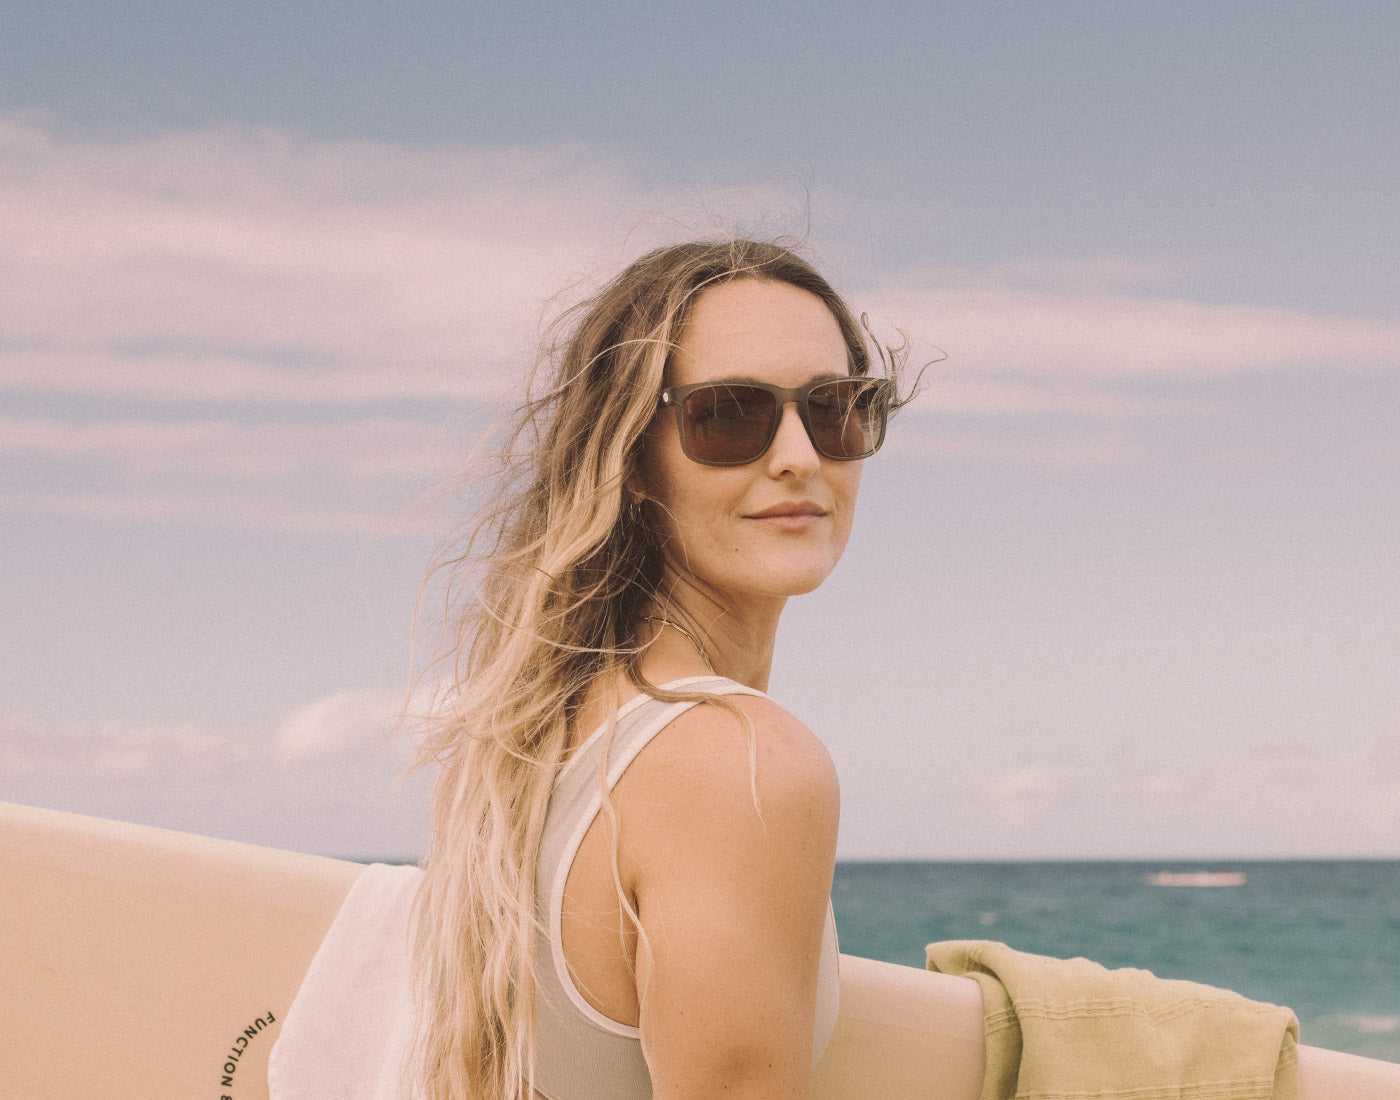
(689, 632)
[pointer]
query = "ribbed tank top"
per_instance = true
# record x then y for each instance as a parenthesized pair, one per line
(580, 1054)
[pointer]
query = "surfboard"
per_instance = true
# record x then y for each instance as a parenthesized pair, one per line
(148, 964)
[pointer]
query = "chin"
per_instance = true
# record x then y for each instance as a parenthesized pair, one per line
(788, 579)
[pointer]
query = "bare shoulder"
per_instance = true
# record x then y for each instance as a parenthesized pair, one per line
(733, 747)
(728, 778)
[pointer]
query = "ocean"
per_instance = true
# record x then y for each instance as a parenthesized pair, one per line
(1322, 937)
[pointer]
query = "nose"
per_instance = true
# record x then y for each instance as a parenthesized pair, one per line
(792, 451)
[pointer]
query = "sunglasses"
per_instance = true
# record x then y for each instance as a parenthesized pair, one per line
(733, 423)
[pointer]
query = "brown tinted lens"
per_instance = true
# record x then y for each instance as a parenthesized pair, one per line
(847, 417)
(727, 424)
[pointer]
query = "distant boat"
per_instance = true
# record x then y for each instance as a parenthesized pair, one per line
(1197, 878)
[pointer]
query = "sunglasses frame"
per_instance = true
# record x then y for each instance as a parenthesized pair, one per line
(674, 397)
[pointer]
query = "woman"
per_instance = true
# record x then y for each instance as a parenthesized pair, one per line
(661, 924)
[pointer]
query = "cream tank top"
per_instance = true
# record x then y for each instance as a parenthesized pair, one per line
(580, 1054)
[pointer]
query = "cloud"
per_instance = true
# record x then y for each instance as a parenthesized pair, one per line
(119, 751)
(338, 799)
(343, 724)
(194, 374)
(240, 264)
(365, 448)
(260, 511)
(1079, 274)
(983, 796)
(985, 397)
(239, 269)
(377, 477)
(1061, 450)
(252, 254)
(1011, 330)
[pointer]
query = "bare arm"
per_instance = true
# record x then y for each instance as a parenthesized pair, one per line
(732, 904)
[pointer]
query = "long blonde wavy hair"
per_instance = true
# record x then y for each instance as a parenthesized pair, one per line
(545, 594)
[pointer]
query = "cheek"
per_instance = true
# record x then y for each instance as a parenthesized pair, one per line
(690, 506)
(847, 485)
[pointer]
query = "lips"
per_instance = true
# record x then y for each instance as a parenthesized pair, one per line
(793, 509)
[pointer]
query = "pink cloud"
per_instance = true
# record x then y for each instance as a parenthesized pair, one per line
(994, 330)
(243, 264)
(978, 396)
(1060, 450)
(258, 510)
(254, 253)
(366, 448)
(31, 747)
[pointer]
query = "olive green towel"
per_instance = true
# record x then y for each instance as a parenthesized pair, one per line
(1069, 1029)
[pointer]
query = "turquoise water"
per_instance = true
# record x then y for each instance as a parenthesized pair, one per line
(1320, 937)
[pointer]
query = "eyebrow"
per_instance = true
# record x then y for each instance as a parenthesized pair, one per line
(743, 380)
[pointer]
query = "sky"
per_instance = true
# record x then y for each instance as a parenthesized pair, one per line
(1124, 581)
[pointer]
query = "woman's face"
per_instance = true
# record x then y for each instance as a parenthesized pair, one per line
(777, 526)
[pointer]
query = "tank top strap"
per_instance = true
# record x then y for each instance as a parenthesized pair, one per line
(638, 721)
